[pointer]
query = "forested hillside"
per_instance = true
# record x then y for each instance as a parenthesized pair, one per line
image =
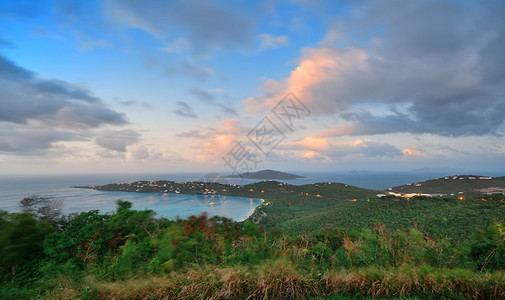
(377, 247)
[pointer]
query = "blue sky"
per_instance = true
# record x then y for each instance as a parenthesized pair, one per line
(170, 86)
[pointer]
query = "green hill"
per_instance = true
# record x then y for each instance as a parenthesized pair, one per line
(309, 208)
(337, 240)
(470, 185)
(303, 209)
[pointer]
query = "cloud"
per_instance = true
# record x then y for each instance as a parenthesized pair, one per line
(187, 67)
(138, 151)
(145, 155)
(159, 154)
(209, 98)
(117, 140)
(272, 41)
(24, 140)
(444, 76)
(319, 148)
(87, 42)
(363, 148)
(314, 155)
(25, 97)
(37, 113)
(212, 143)
(184, 110)
(411, 152)
(41, 31)
(178, 45)
(194, 133)
(207, 25)
(310, 142)
(135, 102)
(202, 95)
(272, 92)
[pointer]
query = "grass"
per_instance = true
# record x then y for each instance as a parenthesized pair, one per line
(280, 279)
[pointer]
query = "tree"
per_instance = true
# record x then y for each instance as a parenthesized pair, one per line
(43, 207)
(21, 237)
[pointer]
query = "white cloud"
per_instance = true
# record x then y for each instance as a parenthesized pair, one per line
(272, 41)
(178, 45)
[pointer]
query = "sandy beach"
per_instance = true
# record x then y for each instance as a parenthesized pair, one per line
(252, 212)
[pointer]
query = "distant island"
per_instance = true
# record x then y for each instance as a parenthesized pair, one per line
(359, 171)
(267, 174)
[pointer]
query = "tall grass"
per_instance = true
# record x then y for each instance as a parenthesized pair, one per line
(202, 258)
(280, 279)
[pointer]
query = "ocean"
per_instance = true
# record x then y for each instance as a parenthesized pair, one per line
(13, 188)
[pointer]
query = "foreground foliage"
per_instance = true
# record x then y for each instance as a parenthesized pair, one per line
(131, 254)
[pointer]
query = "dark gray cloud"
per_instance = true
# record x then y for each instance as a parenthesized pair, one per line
(36, 114)
(31, 140)
(194, 133)
(25, 97)
(117, 140)
(135, 102)
(171, 68)
(189, 68)
(210, 98)
(184, 110)
(202, 95)
(206, 24)
(421, 67)
(451, 119)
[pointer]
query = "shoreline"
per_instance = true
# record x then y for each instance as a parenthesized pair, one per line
(249, 214)
(253, 211)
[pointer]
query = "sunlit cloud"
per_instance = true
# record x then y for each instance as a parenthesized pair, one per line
(411, 152)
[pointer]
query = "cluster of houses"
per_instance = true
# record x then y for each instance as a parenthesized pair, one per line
(409, 195)
(468, 177)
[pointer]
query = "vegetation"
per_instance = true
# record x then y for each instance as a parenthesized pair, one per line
(448, 217)
(466, 185)
(132, 254)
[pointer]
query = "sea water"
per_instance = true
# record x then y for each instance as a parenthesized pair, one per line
(171, 206)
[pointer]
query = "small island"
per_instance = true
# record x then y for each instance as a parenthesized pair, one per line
(266, 174)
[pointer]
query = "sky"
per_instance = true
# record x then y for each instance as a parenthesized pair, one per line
(234, 86)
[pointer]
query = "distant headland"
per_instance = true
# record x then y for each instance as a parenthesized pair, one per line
(267, 174)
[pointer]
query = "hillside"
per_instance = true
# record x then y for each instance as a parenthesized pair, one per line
(315, 241)
(467, 185)
(302, 209)
(283, 202)
(439, 216)
(267, 174)
(309, 208)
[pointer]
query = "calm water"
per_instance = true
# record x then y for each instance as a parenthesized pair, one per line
(16, 187)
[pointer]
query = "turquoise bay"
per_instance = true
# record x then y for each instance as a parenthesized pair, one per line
(170, 206)
(14, 188)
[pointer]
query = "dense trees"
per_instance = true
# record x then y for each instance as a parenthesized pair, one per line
(21, 237)
(94, 253)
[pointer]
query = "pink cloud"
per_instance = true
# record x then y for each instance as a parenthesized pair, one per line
(411, 152)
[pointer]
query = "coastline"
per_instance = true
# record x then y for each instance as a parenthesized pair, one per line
(252, 211)
(149, 193)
